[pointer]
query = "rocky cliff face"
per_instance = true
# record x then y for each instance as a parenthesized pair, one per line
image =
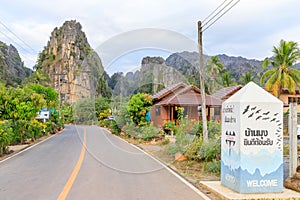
(188, 63)
(74, 68)
(155, 75)
(12, 69)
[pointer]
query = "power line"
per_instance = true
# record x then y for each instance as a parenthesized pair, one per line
(208, 26)
(213, 11)
(218, 11)
(26, 52)
(17, 37)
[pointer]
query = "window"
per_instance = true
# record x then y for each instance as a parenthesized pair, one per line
(294, 100)
(185, 111)
(157, 110)
(217, 111)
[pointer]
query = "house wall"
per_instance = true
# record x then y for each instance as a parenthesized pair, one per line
(193, 113)
(285, 99)
(158, 120)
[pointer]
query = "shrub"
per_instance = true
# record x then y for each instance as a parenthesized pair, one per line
(170, 126)
(206, 151)
(213, 128)
(6, 136)
(192, 151)
(34, 130)
(130, 129)
(214, 167)
(173, 149)
(182, 138)
(210, 150)
(113, 126)
(148, 132)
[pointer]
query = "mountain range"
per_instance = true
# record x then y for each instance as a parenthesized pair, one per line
(71, 63)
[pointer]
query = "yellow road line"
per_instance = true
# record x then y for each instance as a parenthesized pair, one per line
(64, 193)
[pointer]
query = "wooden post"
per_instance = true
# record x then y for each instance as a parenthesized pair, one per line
(202, 88)
(293, 139)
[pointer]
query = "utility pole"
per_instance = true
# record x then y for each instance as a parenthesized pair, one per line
(293, 138)
(202, 88)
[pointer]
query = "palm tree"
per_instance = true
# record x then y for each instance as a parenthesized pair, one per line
(282, 75)
(227, 79)
(247, 77)
(213, 68)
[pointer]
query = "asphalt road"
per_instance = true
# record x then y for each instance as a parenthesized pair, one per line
(87, 162)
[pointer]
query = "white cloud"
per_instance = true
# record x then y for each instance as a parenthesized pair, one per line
(250, 29)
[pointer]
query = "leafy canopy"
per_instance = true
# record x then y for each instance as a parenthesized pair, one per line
(282, 75)
(138, 106)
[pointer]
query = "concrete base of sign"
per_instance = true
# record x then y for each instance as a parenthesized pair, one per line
(225, 193)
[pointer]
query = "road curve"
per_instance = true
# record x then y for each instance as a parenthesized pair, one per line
(110, 169)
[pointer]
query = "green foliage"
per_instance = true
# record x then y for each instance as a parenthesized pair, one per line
(205, 151)
(138, 106)
(192, 151)
(173, 149)
(282, 75)
(214, 68)
(214, 167)
(6, 136)
(248, 77)
(182, 138)
(130, 129)
(112, 126)
(84, 111)
(101, 105)
(179, 111)
(34, 130)
(148, 132)
(123, 116)
(66, 111)
(210, 150)
(170, 126)
(49, 94)
(213, 128)
(19, 107)
(37, 77)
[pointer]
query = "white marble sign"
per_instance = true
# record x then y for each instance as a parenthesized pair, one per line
(252, 141)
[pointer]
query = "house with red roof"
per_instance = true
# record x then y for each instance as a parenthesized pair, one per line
(224, 93)
(186, 96)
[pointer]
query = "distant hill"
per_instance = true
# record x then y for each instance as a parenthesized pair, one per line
(12, 69)
(157, 73)
(188, 64)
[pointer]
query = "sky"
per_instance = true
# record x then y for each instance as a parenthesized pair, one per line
(124, 31)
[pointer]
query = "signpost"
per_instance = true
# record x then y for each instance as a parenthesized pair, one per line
(252, 141)
(43, 114)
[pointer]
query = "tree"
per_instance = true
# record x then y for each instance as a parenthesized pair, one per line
(247, 77)
(138, 106)
(50, 95)
(38, 77)
(213, 68)
(227, 79)
(282, 75)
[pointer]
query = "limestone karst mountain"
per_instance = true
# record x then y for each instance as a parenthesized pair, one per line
(12, 69)
(74, 68)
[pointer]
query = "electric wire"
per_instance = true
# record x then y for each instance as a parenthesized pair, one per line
(203, 21)
(20, 39)
(218, 14)
(25, 52)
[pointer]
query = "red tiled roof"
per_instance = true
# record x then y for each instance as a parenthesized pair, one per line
(190, 95)
(168, 90)
(224, 93)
